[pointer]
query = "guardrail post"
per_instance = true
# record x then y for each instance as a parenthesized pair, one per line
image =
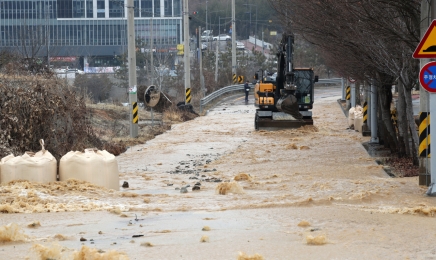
(353, 94)
(374, 137)
(343, 89)
(348, 97)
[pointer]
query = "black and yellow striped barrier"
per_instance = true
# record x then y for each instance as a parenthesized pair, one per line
(135, 117)
(348, 93)
(394, 118)
(424, 134)
(234, 78)
(188, 95)
(365, 112)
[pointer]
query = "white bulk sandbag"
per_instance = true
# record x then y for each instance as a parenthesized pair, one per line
(351, 117)
(358, 122)
(94, 166)
(35, 167)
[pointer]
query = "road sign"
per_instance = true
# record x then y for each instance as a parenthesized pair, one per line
(427, 47)
(351, 80)
(427, 77)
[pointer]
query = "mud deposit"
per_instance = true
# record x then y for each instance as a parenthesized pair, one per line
(213, 188)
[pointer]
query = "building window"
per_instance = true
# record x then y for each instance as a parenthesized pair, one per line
(168, 8)
(146, 8)
(156, 8)
(65, 8)
(100, 9)
(116, 8)
(78, 9)
(89, 9)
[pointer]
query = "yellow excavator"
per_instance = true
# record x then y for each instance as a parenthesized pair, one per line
(286, 100)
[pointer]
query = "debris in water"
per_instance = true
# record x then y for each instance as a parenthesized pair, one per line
(163, 231)
(229, 187)
(129, 194)
(206, 228)
(5, 208)
(183, 190)
(243, 256)
(83, 239)
(147, 244)
(204, 239)
(115, 211)
(318, 240)
(137, 235)
(196, 188)
(125, 184)
(11, 232)
(52, 252)
(60, 237)
(242, 177)
(92, 253)
(34, 224)
(304, 224)
(291, 146)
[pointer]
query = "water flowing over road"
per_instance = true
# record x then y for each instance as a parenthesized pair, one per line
(307, 193)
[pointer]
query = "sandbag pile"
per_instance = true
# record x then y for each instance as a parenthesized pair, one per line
(94, 166)
(355, 118)
(35, 167)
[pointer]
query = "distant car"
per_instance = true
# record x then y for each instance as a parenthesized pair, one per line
(57, 70)
(76, 71)
(222, 37)
(240, 45)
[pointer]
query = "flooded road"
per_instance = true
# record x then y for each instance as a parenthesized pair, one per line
(308, 193)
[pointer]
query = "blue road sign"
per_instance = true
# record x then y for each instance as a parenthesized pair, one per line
(427, 77)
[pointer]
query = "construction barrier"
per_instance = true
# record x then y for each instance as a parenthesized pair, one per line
(365, 113)
(188, 95)
(424, 134)
(135, 117)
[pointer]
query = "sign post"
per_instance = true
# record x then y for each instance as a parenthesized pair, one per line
(427, 78)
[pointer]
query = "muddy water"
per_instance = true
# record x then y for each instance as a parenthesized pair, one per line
(272, 181)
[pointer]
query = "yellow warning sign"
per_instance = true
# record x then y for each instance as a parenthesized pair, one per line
(427, 47)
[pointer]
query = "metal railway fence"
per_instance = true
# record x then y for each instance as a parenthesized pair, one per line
(216, 94)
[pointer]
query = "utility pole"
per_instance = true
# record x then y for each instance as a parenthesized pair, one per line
(151, 51)
(233, 39)
(216, 63)
(200, 57)
(424, 162)
(131, 53)
(187, 52)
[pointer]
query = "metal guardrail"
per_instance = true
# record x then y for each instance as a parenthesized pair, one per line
(218, 93)
(330, 81)
(231, 88)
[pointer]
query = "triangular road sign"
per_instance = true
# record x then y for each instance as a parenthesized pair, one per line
(427, 47)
